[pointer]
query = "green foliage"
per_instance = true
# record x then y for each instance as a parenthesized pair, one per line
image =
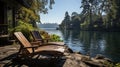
(55, 37)
(31, 14)
(117, 65)
(52, 37)
(44, 34)
(111, 64)
(100, 14)
(40, 5)
(108, 64)
(84, 26)
(66, 21)
(25, 28)
(27, 15)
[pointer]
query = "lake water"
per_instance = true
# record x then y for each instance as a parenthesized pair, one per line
(92, 43)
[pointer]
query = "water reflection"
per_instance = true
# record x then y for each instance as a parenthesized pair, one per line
(92, 43)
(105, 43)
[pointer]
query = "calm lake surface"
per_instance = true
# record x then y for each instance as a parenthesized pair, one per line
(86, 42)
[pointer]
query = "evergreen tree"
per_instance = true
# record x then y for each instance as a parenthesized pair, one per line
(75, 21)
(101, 14)
(66, 22)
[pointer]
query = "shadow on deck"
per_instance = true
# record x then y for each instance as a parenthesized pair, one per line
(11, 61)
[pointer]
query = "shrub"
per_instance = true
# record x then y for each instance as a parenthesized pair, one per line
(25, 28)
(117, 65)
(52, 37)
(55, 37)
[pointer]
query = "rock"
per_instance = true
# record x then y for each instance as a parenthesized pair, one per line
(71, 63)
(99, 56)
(77, 57)
(75, 63)
(78, 52)
(98, 60)
(94, 64)
(82, 64)
(69, 50)
(85, 58)
(107, 59)
(66, 54)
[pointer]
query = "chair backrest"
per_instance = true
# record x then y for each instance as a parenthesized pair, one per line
(23, 41)
(36, 35)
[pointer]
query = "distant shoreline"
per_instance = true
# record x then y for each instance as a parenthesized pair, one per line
(48, 28)
(48, 25)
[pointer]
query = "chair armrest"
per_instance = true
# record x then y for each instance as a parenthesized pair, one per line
(31, 47)
(36, 43)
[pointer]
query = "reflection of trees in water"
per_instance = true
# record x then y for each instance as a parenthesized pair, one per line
(106, 43)
(66, 34)
(85, 39)
(75, 34)
(70, 33)
(113, 45)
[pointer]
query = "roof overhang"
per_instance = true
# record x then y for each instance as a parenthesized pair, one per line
(26, 3)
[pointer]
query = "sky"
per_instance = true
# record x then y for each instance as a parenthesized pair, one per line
(57, 14)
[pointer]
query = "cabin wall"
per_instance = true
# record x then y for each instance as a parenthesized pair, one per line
(8, 13)
(3, 18)
(7, 16)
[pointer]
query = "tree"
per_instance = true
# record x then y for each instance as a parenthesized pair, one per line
(87, 11)
(101, 12)
(31, 14)
(66, 22)
(113, 14)
(75, 21)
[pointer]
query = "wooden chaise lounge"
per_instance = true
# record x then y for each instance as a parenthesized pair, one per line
(28, 49)
(37, 37)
